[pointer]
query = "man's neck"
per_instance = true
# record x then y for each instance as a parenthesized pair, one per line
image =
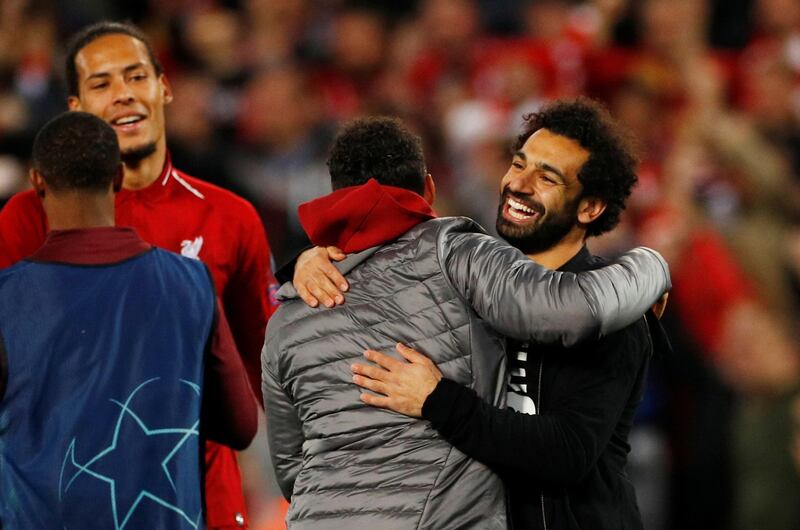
(70, 210)
(145, 171)
(563, 251)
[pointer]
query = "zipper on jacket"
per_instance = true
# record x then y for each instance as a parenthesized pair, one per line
(538, 411)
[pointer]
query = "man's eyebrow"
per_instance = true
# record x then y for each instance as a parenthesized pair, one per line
(544, 166)
(127, 69)
(97, 75)
(521, 155)
(134, 66)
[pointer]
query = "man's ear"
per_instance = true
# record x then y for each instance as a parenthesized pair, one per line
(37, 181)
(430, 190)
(74, 103)
(117, 182)
(590, 208)
(167, 89)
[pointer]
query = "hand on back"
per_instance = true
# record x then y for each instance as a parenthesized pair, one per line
(317, 280)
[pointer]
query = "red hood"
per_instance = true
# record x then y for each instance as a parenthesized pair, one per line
(359, 217)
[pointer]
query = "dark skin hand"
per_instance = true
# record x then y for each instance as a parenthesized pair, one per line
(405, 385)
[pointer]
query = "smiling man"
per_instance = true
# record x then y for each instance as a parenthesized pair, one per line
(561, 445)
(112, 72)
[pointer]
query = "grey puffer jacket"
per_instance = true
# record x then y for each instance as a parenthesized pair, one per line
(450, 291)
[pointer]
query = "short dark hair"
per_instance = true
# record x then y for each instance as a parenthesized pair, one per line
(77, 151)
(377, 147)
(93, 32)
(610, 171)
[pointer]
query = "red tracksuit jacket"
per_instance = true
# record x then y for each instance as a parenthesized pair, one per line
(196, 219)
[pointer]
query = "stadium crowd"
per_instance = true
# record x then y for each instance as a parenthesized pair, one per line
(709, 88)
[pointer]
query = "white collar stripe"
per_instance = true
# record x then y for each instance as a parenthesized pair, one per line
(167, 173)
(186, 184)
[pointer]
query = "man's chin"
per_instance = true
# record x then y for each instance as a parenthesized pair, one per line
(509, 230)
(134, 155)
(530, 239)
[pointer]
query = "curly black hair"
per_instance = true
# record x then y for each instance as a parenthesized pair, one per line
(93, 32)
(377, 147)
(77, 151)
(610, 171)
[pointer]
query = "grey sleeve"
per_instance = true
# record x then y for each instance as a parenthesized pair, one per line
(526, 301)
(284, 431)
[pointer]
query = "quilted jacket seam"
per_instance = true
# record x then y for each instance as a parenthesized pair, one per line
(433, 486)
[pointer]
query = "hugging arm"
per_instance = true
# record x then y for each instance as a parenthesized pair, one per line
(562, 444)
(558, 446)
(527, 301)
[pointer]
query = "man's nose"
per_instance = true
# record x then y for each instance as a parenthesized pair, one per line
(521, 183)
(122, 92)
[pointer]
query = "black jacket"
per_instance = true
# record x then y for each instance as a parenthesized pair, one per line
(565, 467)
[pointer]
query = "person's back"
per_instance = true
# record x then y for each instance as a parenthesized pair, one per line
(376, 468)
(103, 348)
(364, 468)
(99, 424)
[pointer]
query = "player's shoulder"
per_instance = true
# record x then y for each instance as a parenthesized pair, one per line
(11, 271)
(23, 202)
(455, 224)
(226, 205)
(214, 193)
(454, 232)
(23, 227)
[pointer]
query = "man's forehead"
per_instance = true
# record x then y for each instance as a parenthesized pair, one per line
(555, 150)
(109, 52)
(547, 142)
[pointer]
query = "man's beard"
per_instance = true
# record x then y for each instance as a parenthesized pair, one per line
(134, 155)
(548, 230)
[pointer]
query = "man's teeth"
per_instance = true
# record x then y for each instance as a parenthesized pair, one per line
(126, 120)
(519, 206)
(517, 210)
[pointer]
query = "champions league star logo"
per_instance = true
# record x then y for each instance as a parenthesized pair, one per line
(136, 456)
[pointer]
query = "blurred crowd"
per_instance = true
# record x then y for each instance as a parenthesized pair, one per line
(710, 89)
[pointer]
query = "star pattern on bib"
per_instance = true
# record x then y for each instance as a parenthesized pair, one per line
(132, 436)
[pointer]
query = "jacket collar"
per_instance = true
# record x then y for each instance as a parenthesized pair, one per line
(90, 246)
(153, 192)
